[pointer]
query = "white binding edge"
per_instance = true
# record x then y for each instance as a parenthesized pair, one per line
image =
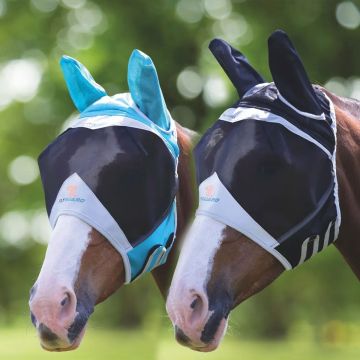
(303, 113)
(102, 121)
(244, 113)
(255, 89)
(336, 186)
(284, 262)
(226, 205)
(115, 243)
(110, 229)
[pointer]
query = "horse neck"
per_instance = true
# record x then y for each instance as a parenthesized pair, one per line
(185, 201)
(348, 172)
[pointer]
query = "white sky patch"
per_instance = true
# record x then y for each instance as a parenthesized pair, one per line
(23, 170)
(218, 9)
(79, 39)
(84, 21)
(20, 79)
(14, 228)
(355, 91)
(235, 28)
(189, 83)
(89, 16)
(344, 87)
(190, 11)
(73, 4)
(215, 91)
(2, 8)
(348, 15)
(68, 121)
(45, 6)
(40, 228)
(18, 227)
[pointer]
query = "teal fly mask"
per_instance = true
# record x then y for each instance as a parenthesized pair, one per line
(115, 166)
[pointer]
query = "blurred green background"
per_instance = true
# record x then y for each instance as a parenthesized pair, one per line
(311, 312)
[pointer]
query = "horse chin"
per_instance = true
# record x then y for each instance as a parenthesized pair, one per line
(211, 345)
(215, 342)
(73, 346)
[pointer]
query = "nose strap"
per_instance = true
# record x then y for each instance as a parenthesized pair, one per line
(310, 217)
(157, 256)
(215, 201)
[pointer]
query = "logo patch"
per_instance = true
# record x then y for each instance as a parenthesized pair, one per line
(209, 194)
(71, 191)
(209, 190)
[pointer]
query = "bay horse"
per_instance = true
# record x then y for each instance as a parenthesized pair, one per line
(117, 189)
(277, 173)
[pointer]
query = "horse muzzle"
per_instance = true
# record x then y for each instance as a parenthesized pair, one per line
(59, 318)
(197, 325)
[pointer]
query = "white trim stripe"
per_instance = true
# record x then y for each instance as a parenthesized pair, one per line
(303, 113)
(87, 207)
(102, 121)
(222, 207)
(244, 113)
(336, 187)
(327, 236)
(316, 246)
(233, 115)
(304, 248)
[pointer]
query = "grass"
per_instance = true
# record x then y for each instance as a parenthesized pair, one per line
(21, 343)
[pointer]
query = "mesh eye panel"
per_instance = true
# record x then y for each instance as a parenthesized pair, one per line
(278, 166)
(129, 170)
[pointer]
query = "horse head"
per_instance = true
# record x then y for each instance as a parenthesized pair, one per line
(110, 182)
(268, 196)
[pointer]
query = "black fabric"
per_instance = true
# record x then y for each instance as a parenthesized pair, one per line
(130, 171)
(289, 74)
(235, 65)
(278, 177)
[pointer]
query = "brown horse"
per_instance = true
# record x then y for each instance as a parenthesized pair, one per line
(219, 267)
(81, 267)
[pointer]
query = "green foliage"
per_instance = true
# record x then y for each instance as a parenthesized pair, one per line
(102, 34)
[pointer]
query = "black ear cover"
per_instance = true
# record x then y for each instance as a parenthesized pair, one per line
(289, 74)
(236, 66)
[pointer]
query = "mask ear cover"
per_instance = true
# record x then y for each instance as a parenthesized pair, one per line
(289, 74)
(236, 66)
(82, 87)
(145, 89)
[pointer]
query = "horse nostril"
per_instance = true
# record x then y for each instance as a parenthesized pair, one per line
(199, 309)
(195, 302)
(181, 337)
(46, 334)
(65, 300)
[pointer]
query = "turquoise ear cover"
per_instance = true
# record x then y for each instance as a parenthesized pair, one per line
(145, 89)
(83, 89)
